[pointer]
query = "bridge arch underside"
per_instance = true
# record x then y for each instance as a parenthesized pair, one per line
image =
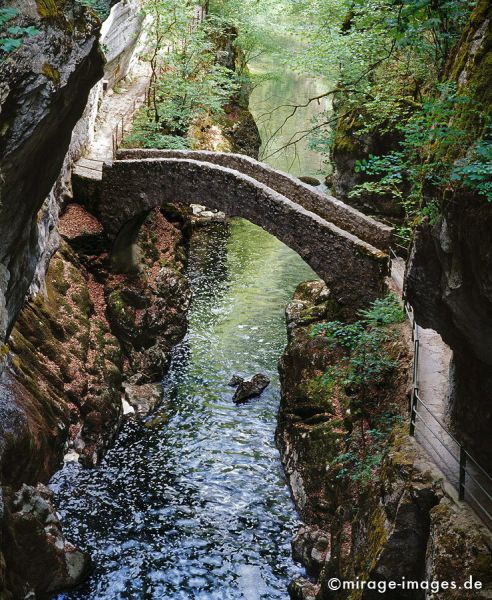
(354, 270)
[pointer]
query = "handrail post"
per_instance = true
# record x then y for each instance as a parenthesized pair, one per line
(462, 482)
(413, 411)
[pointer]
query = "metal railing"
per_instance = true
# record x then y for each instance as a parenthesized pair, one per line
(119, 129)
(466, 475)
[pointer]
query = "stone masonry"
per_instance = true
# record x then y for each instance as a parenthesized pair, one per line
(354, 269)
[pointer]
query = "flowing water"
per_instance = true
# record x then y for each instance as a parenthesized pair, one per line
(195, 505)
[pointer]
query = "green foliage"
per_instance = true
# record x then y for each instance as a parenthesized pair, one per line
(187, 79)
(364, 458)
(11, 37)
(100, 7)
(361, 373)
(146, 133)
(256, 21)
(427, 156)
(475, 170)
(384, 59)
(377, 45)
(384, 311)
(367, 363)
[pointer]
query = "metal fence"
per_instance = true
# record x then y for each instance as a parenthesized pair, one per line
(123, 121)
(466, 475)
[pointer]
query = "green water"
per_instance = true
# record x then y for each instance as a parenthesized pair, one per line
(287, 88)
(197, 506)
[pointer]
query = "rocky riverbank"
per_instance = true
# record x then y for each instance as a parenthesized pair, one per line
(373, 505)
(101, 322)
(78, 316)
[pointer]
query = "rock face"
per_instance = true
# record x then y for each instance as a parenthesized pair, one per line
(44, 88)
(143, 399)
(351, 146)
(400, 522)
(36, 546)
(52, 74)
(449, 281)
(120, 35)
(71, 349)
(149, 299)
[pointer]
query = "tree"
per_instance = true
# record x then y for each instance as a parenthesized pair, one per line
(186, 78)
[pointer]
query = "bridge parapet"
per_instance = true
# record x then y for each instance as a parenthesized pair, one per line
(354, 270)
(340, 214)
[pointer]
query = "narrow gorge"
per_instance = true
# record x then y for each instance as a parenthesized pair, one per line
(245, 301)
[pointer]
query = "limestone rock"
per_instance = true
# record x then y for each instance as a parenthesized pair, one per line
(143, 398)
(235, 380)
(51, 74)
(147, 308)
(303, 589)
(458, 549)
(311, 547)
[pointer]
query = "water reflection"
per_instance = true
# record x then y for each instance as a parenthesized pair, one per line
(197, 507)
(275, 129)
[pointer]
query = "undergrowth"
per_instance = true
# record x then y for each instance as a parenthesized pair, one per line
(360, 379)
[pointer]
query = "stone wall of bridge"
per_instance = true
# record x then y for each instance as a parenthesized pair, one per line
(354, 269)
(340, 214)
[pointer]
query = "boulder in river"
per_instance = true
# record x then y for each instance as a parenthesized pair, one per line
(248, 389)
(142, 399)
(235, 381)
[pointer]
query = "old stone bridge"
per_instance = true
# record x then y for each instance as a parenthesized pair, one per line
(346, 248)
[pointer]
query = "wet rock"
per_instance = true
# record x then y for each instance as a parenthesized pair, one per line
(303, 589)
(37, 547)
(201, 215)
(311, 547)
(310, 180)
(148, 312)
(250, 389)
(143, 398)
(235, 381)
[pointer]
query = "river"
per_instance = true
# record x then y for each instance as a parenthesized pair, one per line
(194, 504)
(276, 120)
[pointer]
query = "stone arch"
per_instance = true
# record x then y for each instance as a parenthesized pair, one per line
(353, 269)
